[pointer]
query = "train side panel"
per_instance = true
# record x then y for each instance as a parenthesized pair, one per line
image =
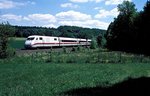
(68, 41)
(84, 42)
(50, 41)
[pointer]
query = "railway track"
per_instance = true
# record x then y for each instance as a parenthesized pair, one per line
(32, 51)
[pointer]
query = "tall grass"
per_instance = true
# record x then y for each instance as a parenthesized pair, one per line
(21, 77)
(82, 55)
(95, 57)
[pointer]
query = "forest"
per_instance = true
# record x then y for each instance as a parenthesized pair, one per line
(130, 30)
(61, 31)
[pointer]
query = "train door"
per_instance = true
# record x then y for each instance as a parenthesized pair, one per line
(41, 42)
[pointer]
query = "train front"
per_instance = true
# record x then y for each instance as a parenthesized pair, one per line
(29, 42)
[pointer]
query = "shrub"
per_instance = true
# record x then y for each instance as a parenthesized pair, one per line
(64, 50)
(93, 44)
(10, 52)
(6, 31)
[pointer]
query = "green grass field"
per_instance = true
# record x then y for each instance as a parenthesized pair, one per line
(17, 43)
(20, 77)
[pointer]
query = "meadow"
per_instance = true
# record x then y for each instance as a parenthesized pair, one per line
(17, 43)
(55, 73)
(24, 78)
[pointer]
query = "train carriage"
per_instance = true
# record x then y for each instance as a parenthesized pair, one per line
(68, 41)
(36, 41)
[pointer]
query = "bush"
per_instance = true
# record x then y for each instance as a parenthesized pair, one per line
(10, 52)
(6, 31)
(64, 50)
(93, 44)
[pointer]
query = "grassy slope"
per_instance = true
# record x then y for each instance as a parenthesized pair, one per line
(51, 79)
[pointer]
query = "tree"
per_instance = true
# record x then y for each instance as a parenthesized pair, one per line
(143, 24)
(5, 32)
(99, 40)
(120, 33)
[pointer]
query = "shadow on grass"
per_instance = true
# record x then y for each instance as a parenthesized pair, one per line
(130, 87)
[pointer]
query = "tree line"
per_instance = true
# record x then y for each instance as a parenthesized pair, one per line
(130, 30)
(61, 31)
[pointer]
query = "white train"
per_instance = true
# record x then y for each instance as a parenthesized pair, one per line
(36, 41)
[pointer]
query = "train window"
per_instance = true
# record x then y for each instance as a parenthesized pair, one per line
(68, 40)
(31, 38)
(55, 39)
(41, 38)
(82, 41)
(36, 38)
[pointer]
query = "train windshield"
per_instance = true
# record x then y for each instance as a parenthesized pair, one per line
(31, 38)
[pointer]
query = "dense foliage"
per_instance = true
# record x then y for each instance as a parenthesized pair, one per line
(129, 31)
(120, 32)
(142, 25)
(62, 31)
(5, 32)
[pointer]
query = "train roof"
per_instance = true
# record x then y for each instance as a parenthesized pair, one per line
(56, 37)
(39, 36)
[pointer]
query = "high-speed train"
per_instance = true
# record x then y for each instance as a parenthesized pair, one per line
(36, 41)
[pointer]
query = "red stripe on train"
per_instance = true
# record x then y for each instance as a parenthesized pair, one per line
(55, 43)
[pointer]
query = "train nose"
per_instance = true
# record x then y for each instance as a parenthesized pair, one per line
(27, 44)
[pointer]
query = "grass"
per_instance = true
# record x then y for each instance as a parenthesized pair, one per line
(53, 73)
(17, 43)
(95, 56)
(21, 77)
